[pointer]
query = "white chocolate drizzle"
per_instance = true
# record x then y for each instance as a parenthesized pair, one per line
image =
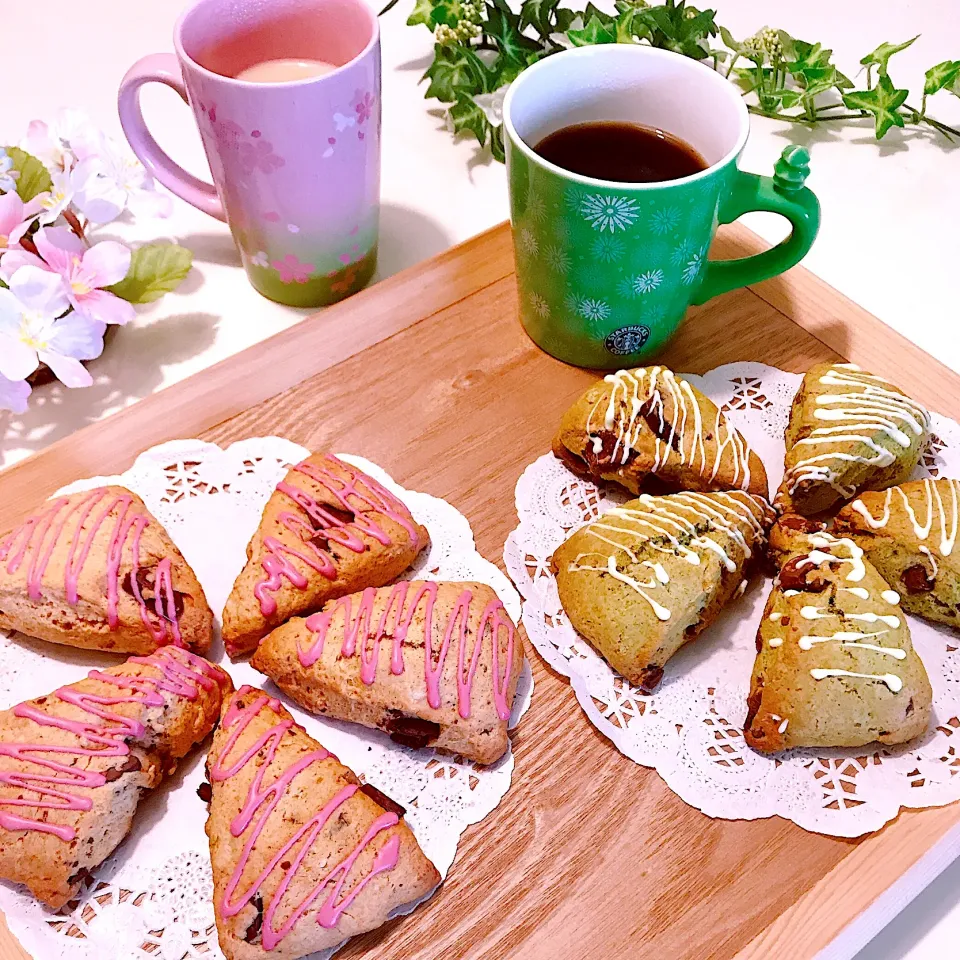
(671, 399)
(676, 525)
(867, 405)
(829, 551)
(775, 617)
(893, 682)
(936, 520)
(783, 726)
(935, 567)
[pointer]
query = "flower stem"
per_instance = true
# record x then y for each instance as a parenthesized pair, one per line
(75, 225)
(29, 246)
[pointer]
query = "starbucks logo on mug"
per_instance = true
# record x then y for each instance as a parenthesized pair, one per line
(627, 339)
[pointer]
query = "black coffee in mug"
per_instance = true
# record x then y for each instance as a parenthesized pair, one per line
(624, 152)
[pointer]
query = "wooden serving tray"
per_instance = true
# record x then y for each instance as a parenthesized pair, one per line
(589, 855)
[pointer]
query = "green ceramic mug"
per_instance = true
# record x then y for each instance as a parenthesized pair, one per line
(607, 270)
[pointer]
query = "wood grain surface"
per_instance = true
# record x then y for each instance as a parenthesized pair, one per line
(589, 855)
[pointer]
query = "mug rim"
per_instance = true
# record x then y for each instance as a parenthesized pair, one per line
(185, 57)
(642, 50)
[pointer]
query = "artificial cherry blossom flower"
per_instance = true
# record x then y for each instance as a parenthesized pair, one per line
(33, 330)
(60, 144)
(84, 271)
(55, 201)
(108, 181)
(8, 183)
(14, 395)
(15, 219)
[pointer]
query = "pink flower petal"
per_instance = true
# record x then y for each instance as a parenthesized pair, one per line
(14, 395)
(58, 246)
(70, 372)
(17, 360)
(108, 262)
(11, 262)
(11, 213)
(105, 307)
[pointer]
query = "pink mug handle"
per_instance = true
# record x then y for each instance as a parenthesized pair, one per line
(161, 68)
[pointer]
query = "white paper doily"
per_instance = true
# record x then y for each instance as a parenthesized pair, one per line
(153, 898)
(690, 729)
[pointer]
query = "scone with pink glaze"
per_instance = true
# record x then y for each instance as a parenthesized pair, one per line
(75, 763)
(95, 569)
(327, 530)
(432, 664)
(304, 856)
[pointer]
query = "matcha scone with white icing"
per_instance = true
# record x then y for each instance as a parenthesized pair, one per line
(849, 431)
(645, 578)
(651, 431)
(909, 533)
(835, 664)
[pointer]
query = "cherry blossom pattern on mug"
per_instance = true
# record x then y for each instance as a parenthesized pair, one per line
(292, 270)
(363, 105)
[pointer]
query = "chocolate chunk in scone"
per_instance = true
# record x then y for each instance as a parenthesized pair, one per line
(647, 577)
(647, 424)
(304, 856)
(74, 764)
(849, 431)
(95, 569)
(835, 665)
(910, 533)
(433, 664)
(327, 530)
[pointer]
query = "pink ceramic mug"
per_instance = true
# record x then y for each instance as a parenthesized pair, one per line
(296, 165)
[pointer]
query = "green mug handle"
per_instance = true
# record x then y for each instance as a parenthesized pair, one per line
(783, 193)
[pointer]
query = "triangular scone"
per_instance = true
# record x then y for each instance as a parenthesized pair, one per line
(849, 431)
(96, 569)
(432, 664)
(909, 533)
(304, 856)
(650, 429)
(644, 579)
(74, 764)
(835, 666)
(327, 530)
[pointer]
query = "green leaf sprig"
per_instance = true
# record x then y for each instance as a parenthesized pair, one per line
(482, 45)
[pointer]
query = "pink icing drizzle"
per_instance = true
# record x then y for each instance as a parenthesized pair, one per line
(106, 732)
(375, 498)
(260, 803)
(37, 536)
(395, 621)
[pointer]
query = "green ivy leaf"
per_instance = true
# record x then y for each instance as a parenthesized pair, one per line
(786, 98)
(883, 102)
(34, 177)
(432, 13)
(503, 29)
(807, 56)
(565, 19)
(817, 80)
(881, 56)
(942, 75)
(539, 14)
(593, 32)
(496, 142)
(155, 269)
(467, 117)
(683, 29)
(455, 70)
